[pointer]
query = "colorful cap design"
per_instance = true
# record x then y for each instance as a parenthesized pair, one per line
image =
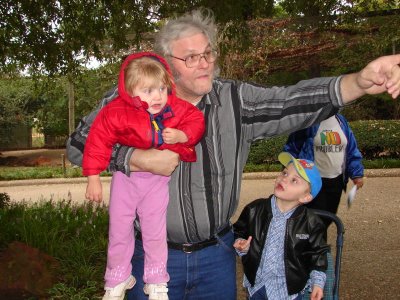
(306, 169)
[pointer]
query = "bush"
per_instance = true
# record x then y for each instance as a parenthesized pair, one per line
(378, 139)
(375, 139)
(4, 200)
(75, 235)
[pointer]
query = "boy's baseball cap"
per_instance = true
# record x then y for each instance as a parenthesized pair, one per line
(306, 169)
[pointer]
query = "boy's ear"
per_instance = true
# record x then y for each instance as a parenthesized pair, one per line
(306, 199)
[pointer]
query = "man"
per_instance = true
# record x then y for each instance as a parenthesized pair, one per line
(204, 195)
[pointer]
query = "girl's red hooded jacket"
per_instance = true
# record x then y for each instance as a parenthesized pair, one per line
(126, 121)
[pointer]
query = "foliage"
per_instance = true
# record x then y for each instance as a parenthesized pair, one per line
(381, 163)
(375, 139)
(291, 45)
(378, 141)
(312, 8)
(55, 37)
(18, 102)
(284, 51)
(377, 107)
(42, 102)
(4, 200)
(18, 97)
(40, 172)
(76, 235)
(63, 291)
(91, 86)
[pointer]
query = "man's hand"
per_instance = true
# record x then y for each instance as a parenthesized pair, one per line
(380, 75)
(160, 162)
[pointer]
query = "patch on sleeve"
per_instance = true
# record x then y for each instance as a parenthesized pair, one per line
(302, 236)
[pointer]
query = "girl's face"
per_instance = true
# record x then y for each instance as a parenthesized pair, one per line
(290, 186)
(155, 94)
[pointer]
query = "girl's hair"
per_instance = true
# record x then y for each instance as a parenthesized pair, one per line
(149, 69)
(197, 21)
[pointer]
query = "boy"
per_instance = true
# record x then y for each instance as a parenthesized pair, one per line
(282, 242)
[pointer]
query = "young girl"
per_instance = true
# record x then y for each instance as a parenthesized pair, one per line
(146, 114)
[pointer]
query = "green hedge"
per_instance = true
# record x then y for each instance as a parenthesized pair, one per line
(375, 139)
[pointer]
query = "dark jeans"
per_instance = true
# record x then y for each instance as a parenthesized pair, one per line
(328, 198)
(206, 274)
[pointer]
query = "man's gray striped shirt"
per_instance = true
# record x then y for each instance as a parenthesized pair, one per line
(204, 195)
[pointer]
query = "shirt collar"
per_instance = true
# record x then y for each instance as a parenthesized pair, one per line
(277, 213)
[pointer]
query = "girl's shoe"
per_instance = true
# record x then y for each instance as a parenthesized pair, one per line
(156, 291)
(118, 292)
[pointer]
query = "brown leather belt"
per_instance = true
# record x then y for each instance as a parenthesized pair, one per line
(188, 248)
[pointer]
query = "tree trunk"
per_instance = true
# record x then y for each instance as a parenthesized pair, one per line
(71, 105)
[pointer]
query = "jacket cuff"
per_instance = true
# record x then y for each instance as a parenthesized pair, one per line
(120, 159)
(318, 278)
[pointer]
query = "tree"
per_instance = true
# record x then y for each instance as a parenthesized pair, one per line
(56, 37)
(291, 48)
(17, 105)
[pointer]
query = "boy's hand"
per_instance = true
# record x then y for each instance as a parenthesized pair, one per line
(94, 190)
(173, 136)
(242, 245)
(359, 182)
(317, 293)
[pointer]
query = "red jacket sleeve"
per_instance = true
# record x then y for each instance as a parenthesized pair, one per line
(191, 122)
(98, 148)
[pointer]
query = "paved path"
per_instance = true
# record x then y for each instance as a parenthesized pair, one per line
(371, 264)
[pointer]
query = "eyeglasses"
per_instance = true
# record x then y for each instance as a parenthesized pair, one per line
(193, 60)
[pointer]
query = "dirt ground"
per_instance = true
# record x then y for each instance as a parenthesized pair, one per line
(36, 157)
(370, 260)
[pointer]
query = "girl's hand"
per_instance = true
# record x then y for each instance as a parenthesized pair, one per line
(173, 136)
(94, 190)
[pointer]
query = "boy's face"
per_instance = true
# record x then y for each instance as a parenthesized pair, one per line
(290, 186)
(153, 93)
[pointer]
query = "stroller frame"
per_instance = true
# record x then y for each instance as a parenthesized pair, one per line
(339, 246)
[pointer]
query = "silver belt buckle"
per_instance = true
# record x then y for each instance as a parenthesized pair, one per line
(186, 247)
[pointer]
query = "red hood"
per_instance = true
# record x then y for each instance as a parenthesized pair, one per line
(121, 80)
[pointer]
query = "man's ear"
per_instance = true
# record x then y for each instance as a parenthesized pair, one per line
(306, 199)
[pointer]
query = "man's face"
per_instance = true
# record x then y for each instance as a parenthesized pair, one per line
(192, 83)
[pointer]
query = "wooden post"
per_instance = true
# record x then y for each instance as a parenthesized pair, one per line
(64, 170)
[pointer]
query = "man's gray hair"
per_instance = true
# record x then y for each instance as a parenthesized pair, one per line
(197, 21)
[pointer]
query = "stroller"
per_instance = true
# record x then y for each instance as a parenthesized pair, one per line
(331, 291)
